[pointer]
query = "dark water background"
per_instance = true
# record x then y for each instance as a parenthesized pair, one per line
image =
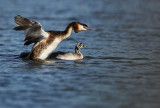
(121, 65)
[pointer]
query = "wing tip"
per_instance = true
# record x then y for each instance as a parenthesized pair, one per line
(17, 17)
(27, 43)
(20, 28)
(22, 21)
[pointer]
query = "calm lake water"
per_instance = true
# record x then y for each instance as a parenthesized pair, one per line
(121, 65)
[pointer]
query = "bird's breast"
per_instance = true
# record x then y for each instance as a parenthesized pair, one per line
(49, 49)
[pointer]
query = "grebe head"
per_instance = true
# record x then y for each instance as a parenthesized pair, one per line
(81, 27)
(80, 45)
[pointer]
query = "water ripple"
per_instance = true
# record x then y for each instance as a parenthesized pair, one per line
(121, 62)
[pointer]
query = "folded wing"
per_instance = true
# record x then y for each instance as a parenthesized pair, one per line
(32, 30)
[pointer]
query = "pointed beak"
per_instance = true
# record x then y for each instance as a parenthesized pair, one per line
(84, 46)
(90, 28)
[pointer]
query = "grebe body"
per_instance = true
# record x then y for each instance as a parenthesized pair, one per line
(70, 56)
(45, 42)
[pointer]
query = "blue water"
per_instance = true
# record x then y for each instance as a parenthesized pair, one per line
(121, 65)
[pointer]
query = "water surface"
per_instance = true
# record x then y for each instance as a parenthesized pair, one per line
(121, 65)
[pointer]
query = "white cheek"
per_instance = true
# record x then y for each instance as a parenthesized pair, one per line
(81, 28)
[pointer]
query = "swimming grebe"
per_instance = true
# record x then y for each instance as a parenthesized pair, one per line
(45, 42)
(70, 56)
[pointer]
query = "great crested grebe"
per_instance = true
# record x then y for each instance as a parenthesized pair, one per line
(70, 56)
(45, 42)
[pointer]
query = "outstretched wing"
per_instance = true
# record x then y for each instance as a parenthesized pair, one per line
(35, 34)
(32, 30)
(21, 21)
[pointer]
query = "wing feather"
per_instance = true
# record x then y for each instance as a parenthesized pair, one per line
(21, 21)
(35, 34)
(32, 30)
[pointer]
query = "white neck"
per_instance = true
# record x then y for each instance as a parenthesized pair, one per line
(68, 32)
